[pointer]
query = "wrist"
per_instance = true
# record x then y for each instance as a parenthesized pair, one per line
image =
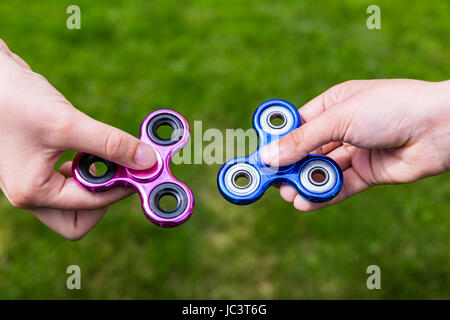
(440, 120)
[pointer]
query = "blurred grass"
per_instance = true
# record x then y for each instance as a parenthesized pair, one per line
(216, 61)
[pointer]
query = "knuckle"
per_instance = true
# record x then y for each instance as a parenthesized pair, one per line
(296, 138)
(349, 83)
(59, 118)
(343, 86)
(74, 232)
(340, 91)
(115, 145)
(62, 122)
(22, 198)
(4, 47)
(74, 235)
(58, 127)
(341, 126)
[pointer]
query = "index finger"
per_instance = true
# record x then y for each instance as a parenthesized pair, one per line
(65, 194)
(332, 96)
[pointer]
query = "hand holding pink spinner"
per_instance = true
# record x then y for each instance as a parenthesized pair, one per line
(151, 184)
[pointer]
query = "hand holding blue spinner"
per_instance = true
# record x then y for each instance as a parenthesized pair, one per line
(316, 178)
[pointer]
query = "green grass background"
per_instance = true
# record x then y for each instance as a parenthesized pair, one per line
(216, 60)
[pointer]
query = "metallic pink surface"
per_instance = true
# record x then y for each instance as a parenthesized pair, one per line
(144, 181)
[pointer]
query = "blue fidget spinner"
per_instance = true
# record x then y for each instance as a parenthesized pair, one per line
(316, 178)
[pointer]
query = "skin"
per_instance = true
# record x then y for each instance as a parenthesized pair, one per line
(378, 131)
(36, 125)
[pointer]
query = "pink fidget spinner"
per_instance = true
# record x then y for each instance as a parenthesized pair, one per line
(151, 184)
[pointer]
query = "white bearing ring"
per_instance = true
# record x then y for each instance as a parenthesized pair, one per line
(276, 111)
(325, 169)
(238, 170)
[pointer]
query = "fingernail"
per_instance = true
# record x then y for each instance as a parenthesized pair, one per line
(145, 157)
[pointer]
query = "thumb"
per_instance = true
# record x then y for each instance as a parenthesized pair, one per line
(330, 126)
(92, 136)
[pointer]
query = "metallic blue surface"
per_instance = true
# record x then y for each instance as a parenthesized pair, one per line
(283, 175)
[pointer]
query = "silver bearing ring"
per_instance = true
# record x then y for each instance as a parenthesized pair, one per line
(318, 176)
(242, 170)
(272, 113)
